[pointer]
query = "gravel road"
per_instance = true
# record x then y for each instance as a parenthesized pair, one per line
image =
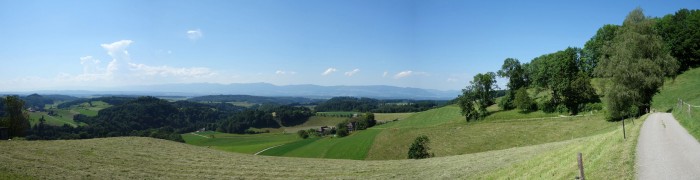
(665, 150)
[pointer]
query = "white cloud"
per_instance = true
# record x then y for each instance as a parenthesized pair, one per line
(408, 73)
(328, 71)
(90, 65)
(117, 47)
(194, 34)
(353, 72)
(451, 79)
(385, 74)
(281, 72)
(403, 74)
(167, 71)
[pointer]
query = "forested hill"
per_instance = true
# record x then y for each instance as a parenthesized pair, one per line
(153, 117)
(254, 99)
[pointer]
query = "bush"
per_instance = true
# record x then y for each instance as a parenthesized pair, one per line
(419, 148)
(303, 134)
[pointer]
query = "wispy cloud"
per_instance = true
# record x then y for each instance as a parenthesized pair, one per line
(281, 72)
(385, 74)
(353, 72)
(404, 74)
(194, 34)
(328, 71)
(122, 71)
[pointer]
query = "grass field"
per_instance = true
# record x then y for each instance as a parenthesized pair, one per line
(354, 146)
(606, 156)
(451, 135)
(238, 143)
(384, 117)
(65, 116)
(315, 122)
(684, 87)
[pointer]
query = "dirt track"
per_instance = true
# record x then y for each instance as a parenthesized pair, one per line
(666, 151)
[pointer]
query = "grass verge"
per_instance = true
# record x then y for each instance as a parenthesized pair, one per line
(605, 156)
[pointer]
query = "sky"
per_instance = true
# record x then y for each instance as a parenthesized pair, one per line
(97, 45)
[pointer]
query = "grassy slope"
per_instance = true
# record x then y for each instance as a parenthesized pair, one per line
(146, 158)
(65, 116)
(384, 117)
(605, 156)
(239, 143)
(685, 87)
(450, 135)
(354, 146)
(315, 122)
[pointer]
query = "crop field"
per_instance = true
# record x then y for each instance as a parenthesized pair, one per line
(605, 155)
(241, 143)
(684, 87)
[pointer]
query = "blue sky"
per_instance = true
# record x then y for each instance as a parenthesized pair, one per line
(94, 45)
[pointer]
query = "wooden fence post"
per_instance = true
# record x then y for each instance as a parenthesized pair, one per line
(580, 167)
(624, 135)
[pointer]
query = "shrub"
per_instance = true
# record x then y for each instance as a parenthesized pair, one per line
(419, 148)
(303, 134)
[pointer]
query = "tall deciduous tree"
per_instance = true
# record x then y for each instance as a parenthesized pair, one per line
(517, 78)
(637, 66)
(681, 33)
(479, 94)
(15, 119)
(593, 49)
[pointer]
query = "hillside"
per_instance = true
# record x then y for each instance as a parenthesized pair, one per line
(684, 87)
(605, 155)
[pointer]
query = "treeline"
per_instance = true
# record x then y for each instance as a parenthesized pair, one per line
(255, 99)
(377, 106)
(632, 60)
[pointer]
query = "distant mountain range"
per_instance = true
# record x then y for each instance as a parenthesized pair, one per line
(266, 89)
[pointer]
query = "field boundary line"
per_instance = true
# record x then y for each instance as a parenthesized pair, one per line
(267, 149)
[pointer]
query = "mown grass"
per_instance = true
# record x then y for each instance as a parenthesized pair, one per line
(283, 149)
(684, 87)
(605, 156)
(147, 158)
(239, 143)
(384, 117)
(354, 146)
(457, 137)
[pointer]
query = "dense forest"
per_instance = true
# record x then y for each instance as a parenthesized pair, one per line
(631, 61)
(375, 105)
